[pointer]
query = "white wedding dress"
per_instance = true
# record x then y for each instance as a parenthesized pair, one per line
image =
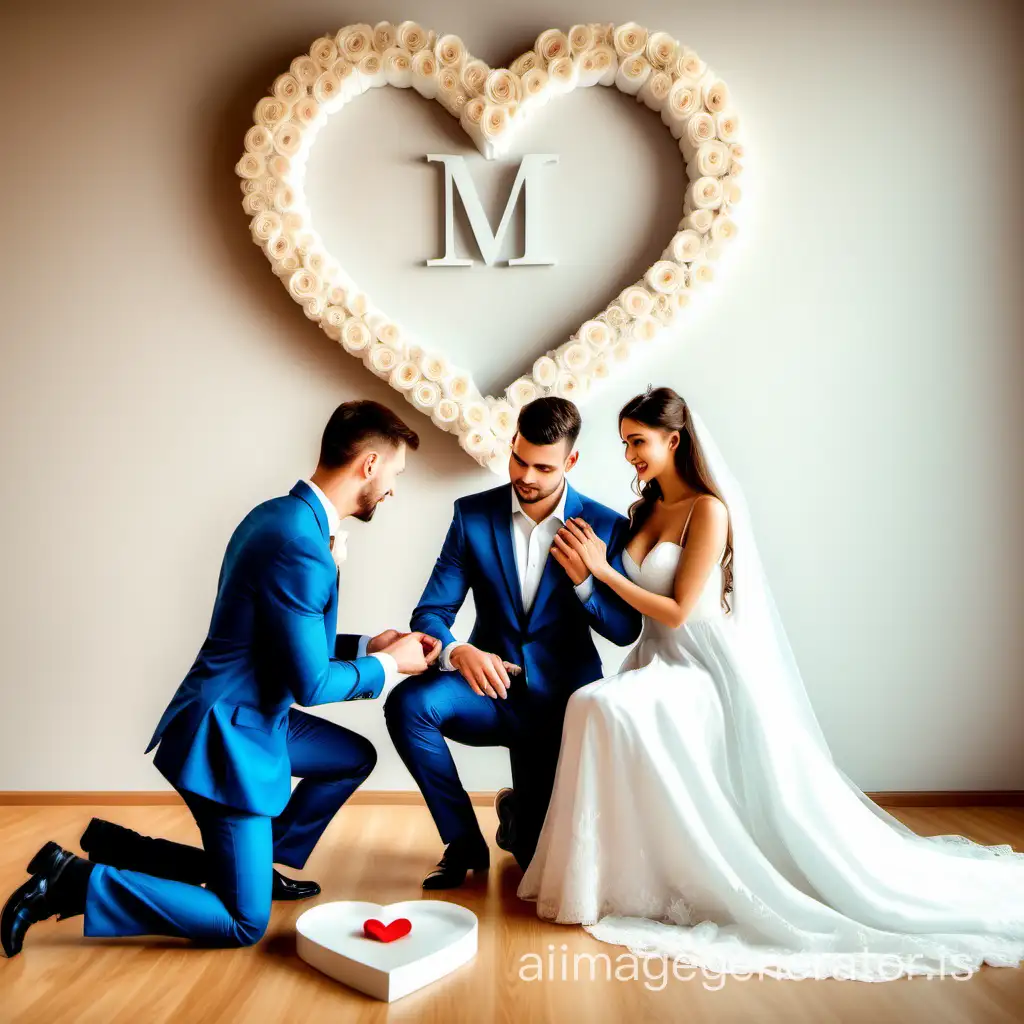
(697, 814)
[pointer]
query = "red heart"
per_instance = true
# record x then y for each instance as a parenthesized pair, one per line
(374, 929)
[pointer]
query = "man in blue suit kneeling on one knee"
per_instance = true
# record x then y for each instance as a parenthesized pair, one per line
(230, 741)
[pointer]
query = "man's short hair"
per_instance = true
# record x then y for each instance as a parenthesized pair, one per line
(549, 420)
(356, 426)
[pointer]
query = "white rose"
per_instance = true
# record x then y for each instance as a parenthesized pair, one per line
(568, 385)
(450, 51)
(723, 229)
(504, 420)
(525, 62)
(521, 392)
(382, 361)
(355, 42)
(494, 123)
(685, 246)
(433, 367)
(680, 105)
(254, 202)
(545, 371)
(636, 300)
(324, 51)
(606, 60)
(731, 192)
(664, 309)
(596, 334)
(474, 74)
(288, 88)
(305, 70)
(270, 111)
(632, 73)
(327, 89)
(425, 395)
(424, 74)
(251, 165)
(477, 442)
(727, 126)
(314, 307)
(411, 36)
(384, 36)
(699, 129)
(630, 39)
(265, 226)
(616, 317)
(307, 111)
(445, 414)
(645, 328)
(279, 165)
(356, 302)
(574, 356)
(371, 70)
(715, 95)
(600, 369)
(697, 220)
(534, 86)
(711, 158)
(258, 139)
(334, 316)
(664, 277)
(457, 386)
(581, 39)
(654, 92)
(704, 194)
(287, 138)
(475, 415)
(280, 249)
(701, 273)
(562, 74)
(689, 67)
(621, 351)
(502, 86)
(661, 50)
(355, 335)
(398, 67)
(552, 45)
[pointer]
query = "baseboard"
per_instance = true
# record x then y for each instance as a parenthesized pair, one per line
(410, 797)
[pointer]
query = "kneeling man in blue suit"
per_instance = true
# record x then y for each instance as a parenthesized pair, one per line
(230, 741)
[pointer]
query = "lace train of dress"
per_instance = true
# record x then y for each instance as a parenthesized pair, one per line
(694, 821)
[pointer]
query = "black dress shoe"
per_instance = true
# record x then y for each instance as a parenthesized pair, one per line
(34, 900)
(505, 805)
(452, 867)
(290, 889)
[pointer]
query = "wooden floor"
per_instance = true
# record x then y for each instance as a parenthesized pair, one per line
(379, 853)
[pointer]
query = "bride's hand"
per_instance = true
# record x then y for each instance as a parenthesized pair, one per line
(579, 535)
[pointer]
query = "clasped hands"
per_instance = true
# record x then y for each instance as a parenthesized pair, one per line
(581, 553)
(413, 652)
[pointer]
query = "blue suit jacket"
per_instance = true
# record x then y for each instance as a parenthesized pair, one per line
(552, 643)
(271, 643)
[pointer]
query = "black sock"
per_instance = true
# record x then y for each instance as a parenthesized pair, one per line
(69, 889)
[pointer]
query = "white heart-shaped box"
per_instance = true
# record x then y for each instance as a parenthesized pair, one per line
(490, 105)
(330, 938)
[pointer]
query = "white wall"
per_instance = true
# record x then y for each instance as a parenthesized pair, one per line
(860, 364)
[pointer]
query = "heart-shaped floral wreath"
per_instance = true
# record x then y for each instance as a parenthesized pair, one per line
(490, 104)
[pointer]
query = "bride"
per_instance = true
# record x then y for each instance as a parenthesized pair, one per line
(697, 812)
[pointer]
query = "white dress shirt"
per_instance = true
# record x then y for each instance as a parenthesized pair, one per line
(391, 673)
(531, 543)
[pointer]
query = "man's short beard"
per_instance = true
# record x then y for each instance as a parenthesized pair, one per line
(540, 497)
(368, 502)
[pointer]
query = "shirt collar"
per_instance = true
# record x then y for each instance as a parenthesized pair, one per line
(333, 519)
(558, 513)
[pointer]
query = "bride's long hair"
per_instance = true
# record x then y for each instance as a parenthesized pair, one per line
(664, 409)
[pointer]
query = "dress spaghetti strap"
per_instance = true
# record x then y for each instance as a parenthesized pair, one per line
(682, 536)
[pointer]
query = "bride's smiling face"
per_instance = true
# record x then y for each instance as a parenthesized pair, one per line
(649, 450)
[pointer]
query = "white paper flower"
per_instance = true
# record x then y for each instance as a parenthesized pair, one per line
(689, 67)
(685, 246)
(715, 95)
(552, 45)
(525, 62)
(597, 335)
(636, 300)
(384, 36)
(410, 36)
(477, 442)
(501, 86)
(616, 317)
(425, 395)
(252, 165)
(723, 229)
(355, 42)
(664, 276)
(382, 360)
(398, 67)
(270, 111)
(424, 74)
(562, 74)
(545, 371)
(504, 420)
(434, 367)
(630, 39)
(305, 70)
(474, 75)
(574, 357)
(654, 92)
(698, 221)
(645, 328)
(712, 158)
(475, 415)
(581, 39)
(661, 50)
(446, 414)
(450, 51)
(631, 75)
(457, 386)
(265, 226)
(355, 335)
(324, 51)
(569, 385)
(521, 392)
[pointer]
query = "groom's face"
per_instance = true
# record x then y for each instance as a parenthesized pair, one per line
(537, 470)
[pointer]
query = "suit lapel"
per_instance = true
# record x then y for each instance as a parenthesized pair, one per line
(553, 572)
(501, 527)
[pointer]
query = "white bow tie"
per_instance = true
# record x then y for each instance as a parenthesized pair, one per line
(338, 546)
